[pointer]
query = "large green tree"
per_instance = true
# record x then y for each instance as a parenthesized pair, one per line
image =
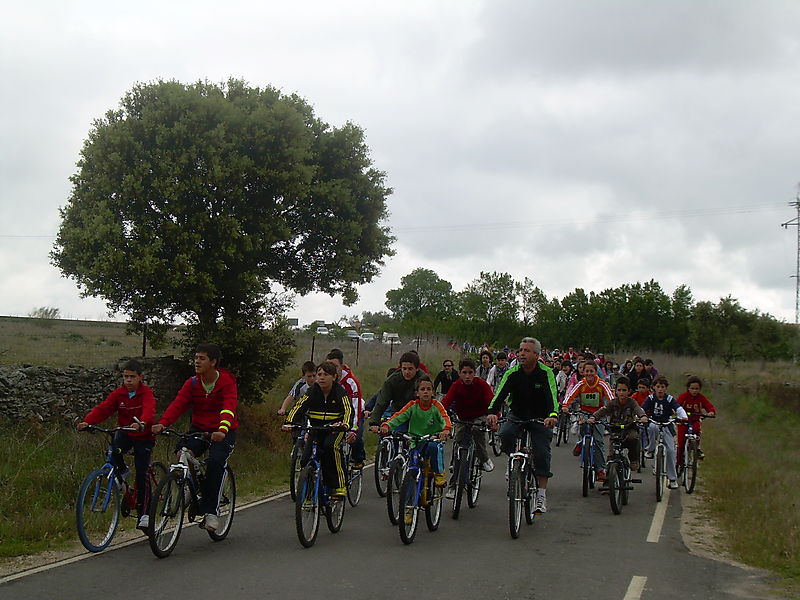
(200, 201)
(423, 296)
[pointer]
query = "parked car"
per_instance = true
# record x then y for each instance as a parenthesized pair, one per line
(367, 336)
(323, 331)
(351, 334)
(391, 338)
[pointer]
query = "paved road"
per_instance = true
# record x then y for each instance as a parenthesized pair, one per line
(579, 549)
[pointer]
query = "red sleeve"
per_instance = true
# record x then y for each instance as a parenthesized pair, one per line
(449, 397)
(179, 405)
(103, 410)
(230, 400)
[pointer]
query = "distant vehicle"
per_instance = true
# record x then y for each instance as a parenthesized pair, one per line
(367, 337)
(391, 338)
(323, 331)
(351, 334)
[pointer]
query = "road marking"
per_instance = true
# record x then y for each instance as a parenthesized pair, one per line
(635, 588)
(658, 518)
(138, 540)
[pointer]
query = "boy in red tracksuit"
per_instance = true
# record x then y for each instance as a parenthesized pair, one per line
(213, 397)
(132, 400)
(694, 403)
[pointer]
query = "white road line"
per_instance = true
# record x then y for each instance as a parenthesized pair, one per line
(635, 588)
(138, 540)
(658, 519)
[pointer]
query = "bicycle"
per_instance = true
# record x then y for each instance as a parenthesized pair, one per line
(101, 499)
(564, 424)
(294, 461)
(388, 448)
(353, 477)
(618, 469)
(494, 437)
(467, 471)
(691, 446)
(523, 486)
(179, 493)
(589, 475)
(394, 479)
(313, 496)
(419, 490)
(660, 459)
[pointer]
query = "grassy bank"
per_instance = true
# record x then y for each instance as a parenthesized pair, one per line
(41, 466)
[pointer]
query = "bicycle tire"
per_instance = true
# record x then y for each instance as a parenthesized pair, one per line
(393, 484)
(156, 471)
(97, 510)
(614, 487)
(409, 509)
(459, 468)
(334, 514)
(586, 477)
(567, 430)
(494, 442)
(355, 485)
(690, 472)
(306, 507)
(294, 467)
(381, 468)
(433, 507)
(474, 483)
(529, 491)
(515, 499)
(626, 481)
(660, 475)
(227, 506)
(166, 515)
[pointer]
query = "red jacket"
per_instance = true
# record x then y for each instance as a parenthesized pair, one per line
(142, 406)
(471, 401)
(215, 411)
(694, 405)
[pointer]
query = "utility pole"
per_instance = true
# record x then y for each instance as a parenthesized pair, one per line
(796, 223)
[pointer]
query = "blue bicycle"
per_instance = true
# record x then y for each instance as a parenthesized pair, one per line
(103, 497)
(313, 497)
(419, 490)
(586, 452)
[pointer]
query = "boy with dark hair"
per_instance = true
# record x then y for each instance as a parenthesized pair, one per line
(213, 397)
(660, 406)
(398, 389)
(353, 388)
(498, 370)
(300, 387)
(624, 410)
(695, 404)
(132, 401)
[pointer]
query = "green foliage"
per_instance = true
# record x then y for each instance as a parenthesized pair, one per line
(45, 312)
(423, 301)
(194, 201)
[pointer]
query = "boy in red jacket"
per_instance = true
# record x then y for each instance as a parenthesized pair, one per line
(213, 396)
(132, 400)
(694, 403)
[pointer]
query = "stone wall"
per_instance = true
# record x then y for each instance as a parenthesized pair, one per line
(53, 394)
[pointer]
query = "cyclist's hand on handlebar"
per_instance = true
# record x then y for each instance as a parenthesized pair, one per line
(81, 426)
(351, 437)
(384, 429)
(286, 427)
(217, 436)
(157, 428)
(373, 428)
(366, 413)
(644, 420)
(550, 422)
(281, 412)
(444, 435)
(491, 421)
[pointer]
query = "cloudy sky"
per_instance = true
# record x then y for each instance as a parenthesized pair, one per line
(581, 144)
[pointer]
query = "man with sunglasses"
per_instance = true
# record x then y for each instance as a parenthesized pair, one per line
(446, 377)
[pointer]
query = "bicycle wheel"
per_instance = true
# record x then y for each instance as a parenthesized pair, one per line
(474, 483)
(306, 507)
(614, 487)
(355, 484)
(494, 442)
(563, 425)
(515, 499)
(294, 466)
(460, 473)
(393, 484)
(567, 429)
(433, 506)
(155, 473)
(409, 508)
(625, 479)
(381, 468)
(529, 493)
(166, 515)
(690, 471)
(660, 474)
(227, 506)
(97, 510)
(334, 514)
(587, 476)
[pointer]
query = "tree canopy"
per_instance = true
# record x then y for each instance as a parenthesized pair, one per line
(194, 201)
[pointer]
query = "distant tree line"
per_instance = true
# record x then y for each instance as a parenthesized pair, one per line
(497, 309)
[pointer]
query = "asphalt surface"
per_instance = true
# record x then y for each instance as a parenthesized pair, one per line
(579, 549)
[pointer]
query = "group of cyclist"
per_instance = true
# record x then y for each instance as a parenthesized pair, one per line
(505, 391)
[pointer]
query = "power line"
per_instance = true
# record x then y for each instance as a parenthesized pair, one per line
(796, 223)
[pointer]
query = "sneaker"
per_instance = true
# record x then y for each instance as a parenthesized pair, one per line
(700, 455)
(339, 494)
(210, 522)
(601, 476)
(541, 505)
(576, 451)
(673, 485)
(439, 480)
(649, 454)
(358, 465)
(144, 522)
(450, 494)
(488, 465)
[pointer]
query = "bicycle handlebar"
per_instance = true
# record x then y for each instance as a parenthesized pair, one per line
(113, 430)
(419, 438)
(196, 435)
(522, 421)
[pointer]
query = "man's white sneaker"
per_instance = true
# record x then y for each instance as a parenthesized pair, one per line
(144, 522)
(450, 494)
(488, 466)
(673, 485)
(210, 522)
(541, 505)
